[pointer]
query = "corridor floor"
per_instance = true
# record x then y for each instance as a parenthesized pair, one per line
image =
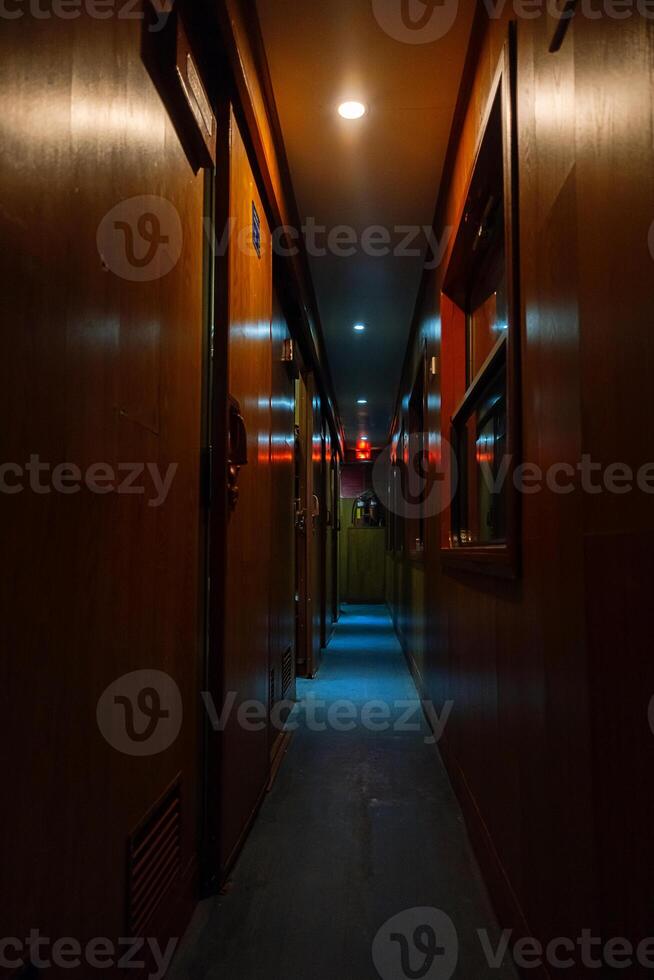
(361, 828)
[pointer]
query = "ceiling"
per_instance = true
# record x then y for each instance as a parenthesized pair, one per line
(382, 170)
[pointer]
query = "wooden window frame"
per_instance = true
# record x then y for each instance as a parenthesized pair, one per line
(501, 559)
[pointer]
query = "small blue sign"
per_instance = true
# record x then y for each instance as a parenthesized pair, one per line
(256, 229)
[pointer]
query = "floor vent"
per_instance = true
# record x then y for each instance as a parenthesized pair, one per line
(287, 670)
(153, 860)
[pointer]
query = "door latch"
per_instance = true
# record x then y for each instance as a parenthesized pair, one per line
(237, 451)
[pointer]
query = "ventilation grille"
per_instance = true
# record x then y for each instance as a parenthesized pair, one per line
(153, 860)
(287, 670)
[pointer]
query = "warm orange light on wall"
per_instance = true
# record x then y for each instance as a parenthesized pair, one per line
(363, 450)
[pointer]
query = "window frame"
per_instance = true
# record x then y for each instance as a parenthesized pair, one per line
(416, 424)
(503, 558)
(400, 520)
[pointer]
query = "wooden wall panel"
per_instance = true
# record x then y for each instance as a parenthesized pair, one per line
(345, 510)
(365, 565)
(244, 43)
(534, 667)
(240, 16)
(620, 571)
(614, 139)
(96, 369)
(282, 581)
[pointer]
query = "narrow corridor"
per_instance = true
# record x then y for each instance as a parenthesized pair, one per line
(327, 396)
(360, 826)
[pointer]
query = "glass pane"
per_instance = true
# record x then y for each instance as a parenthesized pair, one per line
(487, 322)
(481, 498)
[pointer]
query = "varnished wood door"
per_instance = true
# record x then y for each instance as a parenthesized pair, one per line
(327, 540)
(303, 535)
(336, 480)
(315, 529)
(245, 662)
(282, 557)
(310, 549)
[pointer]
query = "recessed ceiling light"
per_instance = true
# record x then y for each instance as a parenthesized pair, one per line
(351, 110)
(364, 438)
(359, 327)
(362, 401)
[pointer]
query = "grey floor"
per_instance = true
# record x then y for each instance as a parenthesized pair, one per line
(360, 843)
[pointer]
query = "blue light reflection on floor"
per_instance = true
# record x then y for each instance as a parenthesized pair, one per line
(364, 662)
(360, 826)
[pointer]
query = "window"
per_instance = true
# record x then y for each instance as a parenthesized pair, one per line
(416, 466)
(481, 281)
(399, 491)
(480, 430)
(391, 505)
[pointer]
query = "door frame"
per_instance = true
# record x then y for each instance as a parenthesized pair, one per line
(305, 536)
(216, 425)
(336, 529)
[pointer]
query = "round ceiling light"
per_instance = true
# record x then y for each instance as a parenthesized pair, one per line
(351, 110)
